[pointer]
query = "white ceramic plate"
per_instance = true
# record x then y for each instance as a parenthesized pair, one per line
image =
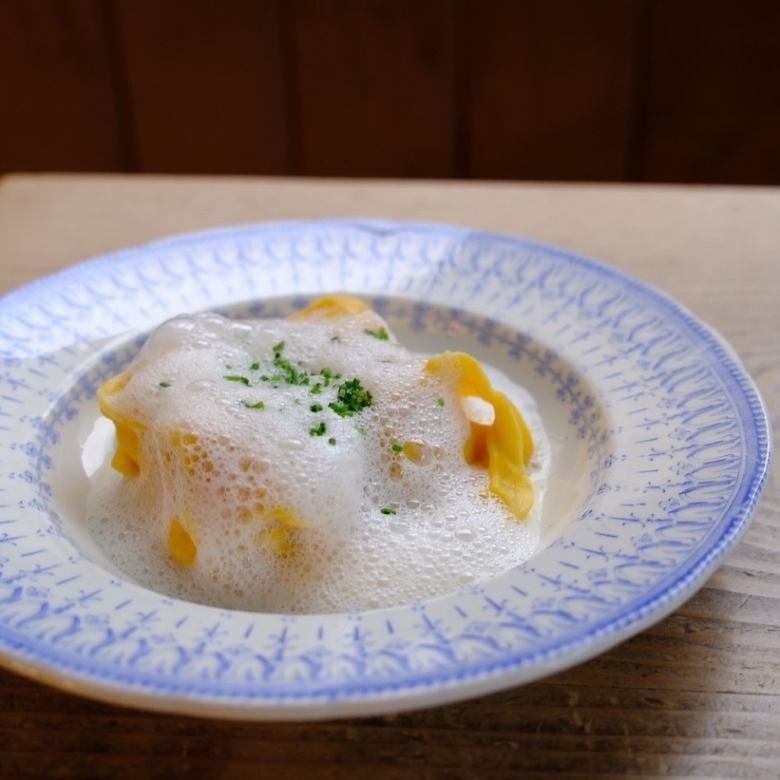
(663, 453)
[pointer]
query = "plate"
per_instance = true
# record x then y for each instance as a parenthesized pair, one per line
(662, 452)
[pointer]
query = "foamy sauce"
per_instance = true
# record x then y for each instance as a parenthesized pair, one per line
(381, 530)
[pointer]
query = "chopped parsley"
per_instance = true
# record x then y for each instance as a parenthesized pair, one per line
(440, 402)
(379, 333)
(352, 398)
(397, 447)
(318, 430)
(164, 384)
(236, 378)
(388, 510)
(287, 371)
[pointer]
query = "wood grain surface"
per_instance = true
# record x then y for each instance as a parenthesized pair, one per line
(706, 113)
(612, 90)
(541, 106)
(374, 87)
(58, 101)
(207, 85)
(697, 695)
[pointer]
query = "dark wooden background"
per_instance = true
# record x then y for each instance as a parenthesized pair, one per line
(620, 90)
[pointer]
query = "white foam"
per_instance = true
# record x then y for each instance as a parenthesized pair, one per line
(440, 530)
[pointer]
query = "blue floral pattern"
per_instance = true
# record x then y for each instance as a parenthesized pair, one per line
(672, 430)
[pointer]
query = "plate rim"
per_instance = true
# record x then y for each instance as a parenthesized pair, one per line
(439, 686)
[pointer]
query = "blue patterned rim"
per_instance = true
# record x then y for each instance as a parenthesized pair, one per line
(310, 666)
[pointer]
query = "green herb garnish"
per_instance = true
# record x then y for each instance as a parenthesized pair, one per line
(237, 378)
(335, 338)
(352, 398)
(254, 366)
(331, 441)
(317, 389)
(249, 405)
(397, 447)
(289, 373)
(380, 333)
(440, 401)
(319, 430)
(164, 384)
(387, 510)
(315, 408)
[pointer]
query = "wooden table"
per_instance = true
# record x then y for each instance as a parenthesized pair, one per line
(697, 695)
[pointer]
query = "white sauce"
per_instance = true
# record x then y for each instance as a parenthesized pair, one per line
(446, 531)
